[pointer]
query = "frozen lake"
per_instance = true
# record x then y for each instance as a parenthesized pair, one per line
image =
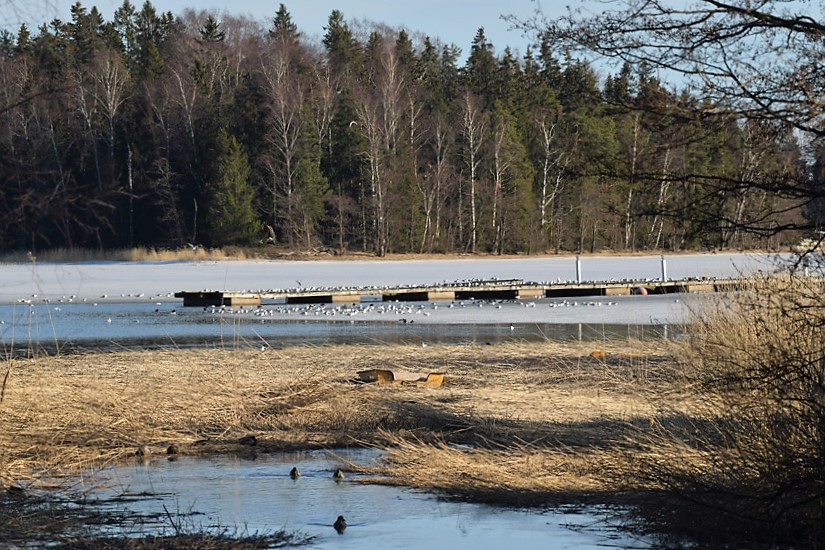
(150, 281)
(128, 305)
(131, 304)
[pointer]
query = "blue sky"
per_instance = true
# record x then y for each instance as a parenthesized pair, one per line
(453, 21)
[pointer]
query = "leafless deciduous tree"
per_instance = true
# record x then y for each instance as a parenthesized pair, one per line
(747, 60)
(285, 100)
(473, 129)
(758, 57)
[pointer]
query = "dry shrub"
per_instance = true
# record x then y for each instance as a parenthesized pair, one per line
(751, 449)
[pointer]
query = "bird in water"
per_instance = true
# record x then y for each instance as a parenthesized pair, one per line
(338, 475)
(340, 525)
(294, 473)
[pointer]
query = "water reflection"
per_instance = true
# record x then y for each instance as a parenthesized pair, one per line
(25, 327)
(259, 496)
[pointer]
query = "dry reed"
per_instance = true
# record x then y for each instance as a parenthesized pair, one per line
(517, 423)
(748, 453)
(73, 255)
(63, 412)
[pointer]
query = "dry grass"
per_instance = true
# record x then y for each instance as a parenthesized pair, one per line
(200, 253)
(751, 445)
(73, 255)
(519, 424)
(62, 413)
(514, 424)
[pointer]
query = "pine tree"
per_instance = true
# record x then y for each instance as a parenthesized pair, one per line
(23, 38)
(342, 48)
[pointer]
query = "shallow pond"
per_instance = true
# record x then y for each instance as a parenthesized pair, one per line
(245, 495)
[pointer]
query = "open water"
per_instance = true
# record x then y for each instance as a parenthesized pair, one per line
(256, 495)
(126, 325)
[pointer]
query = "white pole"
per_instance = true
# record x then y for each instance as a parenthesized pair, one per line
(664, 270)
(578, 270)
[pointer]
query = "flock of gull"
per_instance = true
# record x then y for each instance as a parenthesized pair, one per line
(445, 285)
(371, 308)
(405, 312)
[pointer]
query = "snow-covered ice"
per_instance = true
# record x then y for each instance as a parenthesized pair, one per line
(129, 281)
(119, 302)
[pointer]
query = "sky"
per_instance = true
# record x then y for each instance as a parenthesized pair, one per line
(452, 21)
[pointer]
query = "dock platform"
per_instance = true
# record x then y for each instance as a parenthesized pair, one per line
(513, 289)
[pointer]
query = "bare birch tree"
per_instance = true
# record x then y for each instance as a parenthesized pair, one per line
(110, 92)
(285, 97)
(87, 107)
(473, 130)
(557, 153)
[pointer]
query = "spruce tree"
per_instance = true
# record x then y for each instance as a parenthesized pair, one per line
(283, 28)
(231, 215)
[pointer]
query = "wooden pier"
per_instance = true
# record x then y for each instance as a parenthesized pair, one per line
(476, 290)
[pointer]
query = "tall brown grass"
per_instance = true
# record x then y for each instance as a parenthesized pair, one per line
(69, 411)
(748, 457)
(73, 255)
(516, 423)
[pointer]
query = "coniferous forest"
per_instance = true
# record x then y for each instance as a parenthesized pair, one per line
(159, 130)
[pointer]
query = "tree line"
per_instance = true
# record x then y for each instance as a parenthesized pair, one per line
(160, 130)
